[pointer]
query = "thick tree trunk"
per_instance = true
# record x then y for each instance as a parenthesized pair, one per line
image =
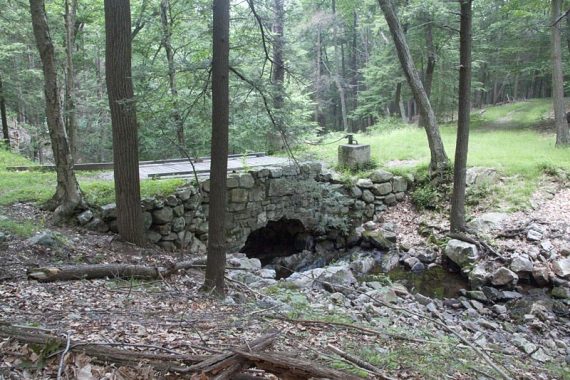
(166, 22)
(5, 132)
(124, 120)
(70, 117)
(216, 261)
(439, 161)
(457, 217)
(562, 132)
(68, 195)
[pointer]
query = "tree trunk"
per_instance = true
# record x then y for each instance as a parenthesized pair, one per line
(337, 75)
(400, 102)
(439, 161)
(166, 22)
(68, 195)
(123, 119)
(457, 217)
(5, 132)
(277, 78)
(216, 261)
(70, 119)
(431, 61)
(562, 132)
(318, 61)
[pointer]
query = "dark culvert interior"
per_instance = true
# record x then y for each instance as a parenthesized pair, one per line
(280, 238)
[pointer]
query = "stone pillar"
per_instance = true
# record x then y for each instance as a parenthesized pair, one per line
(353, 156)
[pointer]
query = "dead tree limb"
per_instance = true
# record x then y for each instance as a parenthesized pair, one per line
(289, 367)
(359, 362)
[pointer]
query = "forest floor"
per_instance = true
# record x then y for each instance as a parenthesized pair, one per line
(173, 316)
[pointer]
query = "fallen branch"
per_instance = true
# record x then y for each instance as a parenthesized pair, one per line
(288, 367)
(100, 351)
(359, 362)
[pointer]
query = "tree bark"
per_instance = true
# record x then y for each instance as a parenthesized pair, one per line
(123, 119)
(166, 22)
(562, 132)
(5, 131)
(216, 261)
(431, 61)
(68, 196)
(337, 77)
(277, 77)
(457, 217)
(439, 161)
(70, 119)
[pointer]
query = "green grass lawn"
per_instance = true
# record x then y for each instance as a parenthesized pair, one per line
(513, 151)
(31, 186)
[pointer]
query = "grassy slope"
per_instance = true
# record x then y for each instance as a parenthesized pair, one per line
(513, 150)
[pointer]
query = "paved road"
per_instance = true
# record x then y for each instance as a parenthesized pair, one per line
(173, 169)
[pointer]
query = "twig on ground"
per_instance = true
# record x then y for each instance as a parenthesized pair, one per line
(62, 359)
(358, 362)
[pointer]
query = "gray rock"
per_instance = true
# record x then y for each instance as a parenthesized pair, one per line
(355, 192)
(97, 225)
(197, 247)
(246, 181)
(367, 196)
(390, 200)
(178, 224)
(541, 274)
(509, 295)
(479, 276)
(504, 276)
(533, 235)
(85, 217)
(540, 356)
(492, 294)
(148, 204)
(162, 216)
(564, 250)
(461, 253)
(561, 268)
(382, 188)
(379, 238)
(364, 183)
(423, 300)
(363, 265)
(481, 176)
(267, 273)
(399, 184)
(184, 194)
(379, 176)
(172, 201)
(45, 239)
(521, 264)
(147, 220)
(427, 256)
(488, 222)
(414, 264)
(109, 211)
(477, 295)
(2, 237)
(499, 309)
(560, 292)
(546, 245)
(389, 261)
(153, 236)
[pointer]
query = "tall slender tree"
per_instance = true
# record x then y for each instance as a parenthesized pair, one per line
(562, 132)
(70, 116)
(5, 132)
(124, 119)
(68, 196)
(439, 161)
(216, 262)
(457, 217)
(166, 22)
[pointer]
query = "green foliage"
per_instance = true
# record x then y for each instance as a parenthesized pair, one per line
(426, 197)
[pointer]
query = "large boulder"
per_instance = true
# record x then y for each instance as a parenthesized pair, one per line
(45, 239)
(461, 253)
(380, 176)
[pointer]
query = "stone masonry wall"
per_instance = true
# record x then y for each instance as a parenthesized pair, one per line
(320, 201)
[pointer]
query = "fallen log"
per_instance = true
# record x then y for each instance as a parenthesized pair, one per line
(100, 351)
(226, 364)
(95, 271)
(287, 367)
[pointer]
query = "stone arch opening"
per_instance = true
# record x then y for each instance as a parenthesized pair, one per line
(280, 238)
